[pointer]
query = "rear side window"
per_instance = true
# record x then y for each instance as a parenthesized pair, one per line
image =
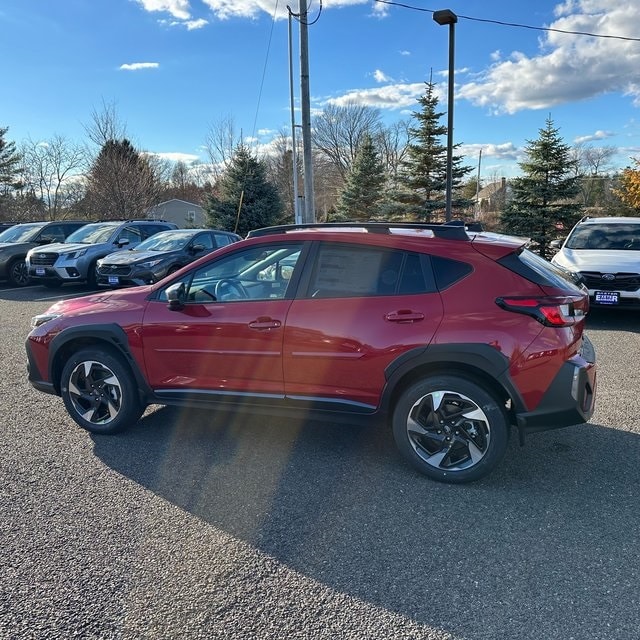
(222, 240)
(448, 271)
(536, 269)
(342, 271)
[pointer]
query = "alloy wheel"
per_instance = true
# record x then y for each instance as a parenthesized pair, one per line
(95, 392)
(448, 430)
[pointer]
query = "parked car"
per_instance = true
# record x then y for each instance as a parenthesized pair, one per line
(160, 255)
(18, 239)
(451, 335)
(605, 254)
(75, 259)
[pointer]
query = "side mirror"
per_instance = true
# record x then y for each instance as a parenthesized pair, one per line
(121, 242)
(46, 240)
(197, 248)
(555, 244)
(176, 296)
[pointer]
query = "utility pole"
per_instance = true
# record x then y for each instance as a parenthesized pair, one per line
(305, 103)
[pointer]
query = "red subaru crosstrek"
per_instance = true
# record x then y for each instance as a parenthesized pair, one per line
(452, 335)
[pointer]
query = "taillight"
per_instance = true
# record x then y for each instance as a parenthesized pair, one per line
(551, 311)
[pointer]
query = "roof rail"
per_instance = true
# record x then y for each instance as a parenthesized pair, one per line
(454, 230)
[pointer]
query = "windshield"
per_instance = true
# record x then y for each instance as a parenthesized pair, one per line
(605, 236)
(165, 241)
(93, 233)
(20, 233)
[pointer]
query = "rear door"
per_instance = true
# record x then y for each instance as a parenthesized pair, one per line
(359, 308)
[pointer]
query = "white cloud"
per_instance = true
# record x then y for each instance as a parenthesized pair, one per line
(393, 96)
(136, 66)
(569, 67)
(175, 156)
(381, 76)
(224, 9)
(503, 151)
(598, 135)
(177, 8)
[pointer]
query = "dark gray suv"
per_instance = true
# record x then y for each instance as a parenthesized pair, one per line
(18, 239)
(75, 259)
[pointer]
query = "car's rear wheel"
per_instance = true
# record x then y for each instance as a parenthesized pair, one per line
(99, 391)
(450, 429)
(18, 273)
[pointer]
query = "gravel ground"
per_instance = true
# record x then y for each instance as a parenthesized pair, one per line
(192, 525)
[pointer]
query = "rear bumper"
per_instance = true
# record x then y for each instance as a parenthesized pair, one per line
(570, 398)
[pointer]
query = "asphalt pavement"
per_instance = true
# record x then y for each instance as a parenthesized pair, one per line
(195, 525)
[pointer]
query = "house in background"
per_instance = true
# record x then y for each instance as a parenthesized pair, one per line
(186, 215)
(492, 198)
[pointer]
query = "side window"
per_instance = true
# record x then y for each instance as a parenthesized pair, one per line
(149, 230)
(55, 232)
(132, 233)
(353, 271)
(203, 239)
(256, 273)
(222, 240)
(448, 271)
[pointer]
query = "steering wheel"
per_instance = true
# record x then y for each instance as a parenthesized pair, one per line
(227, 286)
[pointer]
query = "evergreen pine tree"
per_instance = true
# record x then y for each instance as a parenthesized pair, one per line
(244, 186)
(424, 172)
(363, 191)
(544, 198)
(9, 164)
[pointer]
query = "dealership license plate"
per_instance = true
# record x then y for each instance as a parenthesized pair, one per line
(39, 271)
(607, 297)
(113, 280)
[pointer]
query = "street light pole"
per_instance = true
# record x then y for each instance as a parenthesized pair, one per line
(446, 16)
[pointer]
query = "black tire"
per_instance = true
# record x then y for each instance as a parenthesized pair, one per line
(92, 275)
(18, 273)
(450, 429)
(100, 392)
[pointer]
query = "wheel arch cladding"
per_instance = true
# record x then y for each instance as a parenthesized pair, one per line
(479, 363)
(110, 337)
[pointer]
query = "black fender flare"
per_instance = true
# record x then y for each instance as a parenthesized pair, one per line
(482, 359)
(113, 335)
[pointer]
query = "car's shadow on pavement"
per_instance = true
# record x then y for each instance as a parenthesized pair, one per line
(546, 547)
(613, 319)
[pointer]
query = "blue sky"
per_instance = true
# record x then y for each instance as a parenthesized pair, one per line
(175, 68)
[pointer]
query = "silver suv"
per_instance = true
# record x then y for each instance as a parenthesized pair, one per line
(74, 260)
(605, 254)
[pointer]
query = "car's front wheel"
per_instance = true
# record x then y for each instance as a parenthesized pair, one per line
(18, 274)
(450, 428)
(100, 392)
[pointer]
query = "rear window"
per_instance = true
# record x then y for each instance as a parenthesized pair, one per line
(536, 269)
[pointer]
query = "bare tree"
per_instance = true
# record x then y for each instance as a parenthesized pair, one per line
(221, 142)
(52, 171)
(338, 131)
(593, 166)
(105, 125)
(391, 143)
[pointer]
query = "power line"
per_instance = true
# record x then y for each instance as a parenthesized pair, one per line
(512, 24)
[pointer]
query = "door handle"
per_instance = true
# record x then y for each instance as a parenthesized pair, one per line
(404, 315)
(264, 323)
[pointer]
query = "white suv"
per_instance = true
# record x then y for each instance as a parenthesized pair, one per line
(605, 254)
(74, 260)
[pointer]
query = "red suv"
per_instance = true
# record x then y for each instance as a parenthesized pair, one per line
(452, 335)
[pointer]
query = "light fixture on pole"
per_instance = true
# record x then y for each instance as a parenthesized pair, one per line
(446, 16)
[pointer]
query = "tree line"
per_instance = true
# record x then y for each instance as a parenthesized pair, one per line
(364, 170)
